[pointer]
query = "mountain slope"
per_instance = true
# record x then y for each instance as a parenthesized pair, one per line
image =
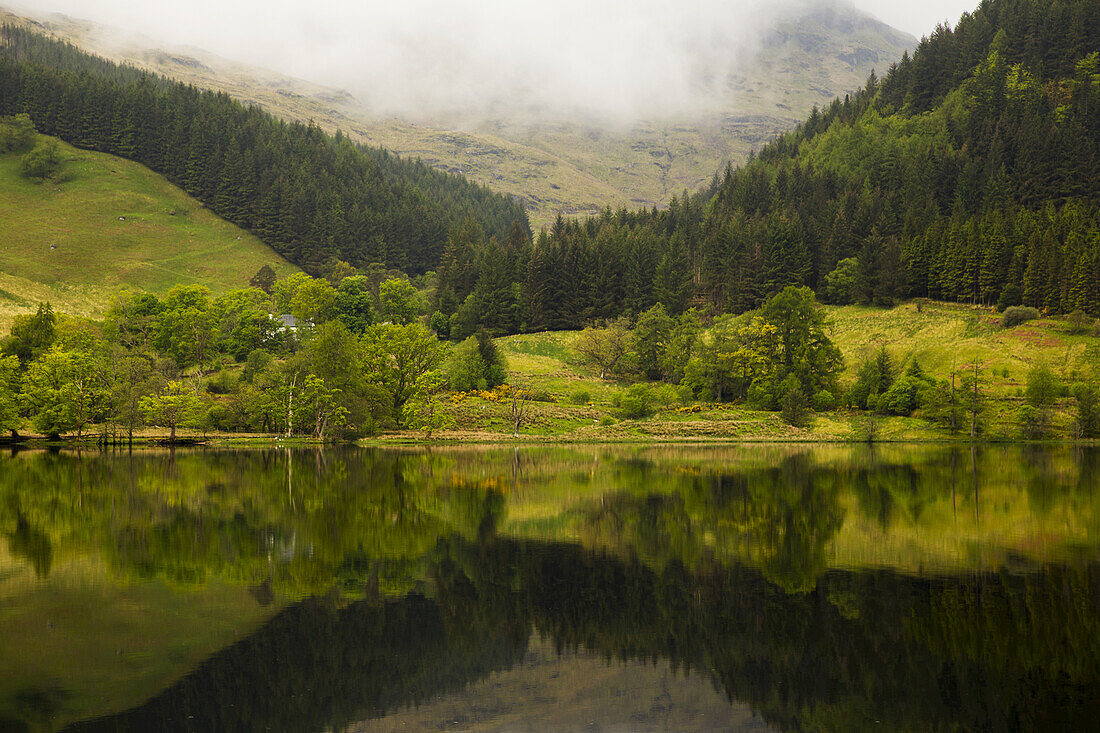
(108, 223)
(562, 165)
(311, 196)
(970, 173)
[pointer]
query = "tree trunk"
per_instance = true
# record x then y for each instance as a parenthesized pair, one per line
(290, 407)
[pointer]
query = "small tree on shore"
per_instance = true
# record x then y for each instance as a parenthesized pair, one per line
(175, 405)
(606, 349)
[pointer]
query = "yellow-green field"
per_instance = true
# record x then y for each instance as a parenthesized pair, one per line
(105, 224)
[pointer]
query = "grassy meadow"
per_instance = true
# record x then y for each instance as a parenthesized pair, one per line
(134, 229)
(575, 405)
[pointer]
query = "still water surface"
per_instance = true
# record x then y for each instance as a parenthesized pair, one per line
(752, 588)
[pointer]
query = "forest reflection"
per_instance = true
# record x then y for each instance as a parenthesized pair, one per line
(829, 588)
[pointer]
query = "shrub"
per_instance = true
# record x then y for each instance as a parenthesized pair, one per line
(41, 161)
(824, 401)
(761, 397)
(1042, 387)
(1088, 410)
(580, 397)
(902, 397)
(607, 420)
(637, 401)
(796, 409)
(222, 383)
(1015, 315)
(1034, 423)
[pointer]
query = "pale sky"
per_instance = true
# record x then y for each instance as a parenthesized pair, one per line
(600, 57)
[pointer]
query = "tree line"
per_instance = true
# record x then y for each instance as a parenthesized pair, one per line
(970, 172)
(311, 196)
(305, 359)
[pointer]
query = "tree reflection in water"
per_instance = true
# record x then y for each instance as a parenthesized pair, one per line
(405, 578)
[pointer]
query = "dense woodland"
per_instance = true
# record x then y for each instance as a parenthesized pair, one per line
(970, 172)
(311, 196)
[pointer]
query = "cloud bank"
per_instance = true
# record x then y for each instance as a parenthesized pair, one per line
(605, 59)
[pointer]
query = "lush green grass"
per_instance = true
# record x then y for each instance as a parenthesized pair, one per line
(104, 224)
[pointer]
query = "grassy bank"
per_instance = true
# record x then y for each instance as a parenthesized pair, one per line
(105, 223)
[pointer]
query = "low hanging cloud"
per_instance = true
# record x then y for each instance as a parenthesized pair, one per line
(605, 59)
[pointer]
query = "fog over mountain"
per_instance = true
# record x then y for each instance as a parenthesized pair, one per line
(611, 61)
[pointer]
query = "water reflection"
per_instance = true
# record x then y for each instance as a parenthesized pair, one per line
(834, 588)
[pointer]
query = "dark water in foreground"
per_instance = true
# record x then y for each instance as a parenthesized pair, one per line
(489, 589)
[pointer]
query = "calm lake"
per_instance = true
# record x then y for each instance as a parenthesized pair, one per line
(595, 588)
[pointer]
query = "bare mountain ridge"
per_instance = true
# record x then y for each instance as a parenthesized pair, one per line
(568, 166)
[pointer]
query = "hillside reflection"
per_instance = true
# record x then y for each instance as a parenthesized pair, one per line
(828, 589)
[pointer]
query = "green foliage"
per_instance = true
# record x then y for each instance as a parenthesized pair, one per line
(354, 304)
(824, 401)
(580, 397)
(440, 324)
(10, 378)
(187, 325)
(42, 161)
(258, 361)
(681, 345)
(606, 349)
(398, 301)
(805, 350)
(17, 134)
(1078, 322)
(423, 410)
(476, 363)
(1011, 296)
(840, 284)
(62, 392)
(314, 302)
(1042, 387)
(637, 401)
(1034, 422)
(264, 279)
(396, 358)
(1087, 400)
(796, 408)
(1015, 315)
(31, 335)
(175, 406)
(652, 335)
(875, 377)
(244, 322)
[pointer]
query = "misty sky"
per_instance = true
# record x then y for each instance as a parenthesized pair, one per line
(602, 57)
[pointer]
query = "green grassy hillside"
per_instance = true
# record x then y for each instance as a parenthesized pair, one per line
(942, 337)
(105, 223)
